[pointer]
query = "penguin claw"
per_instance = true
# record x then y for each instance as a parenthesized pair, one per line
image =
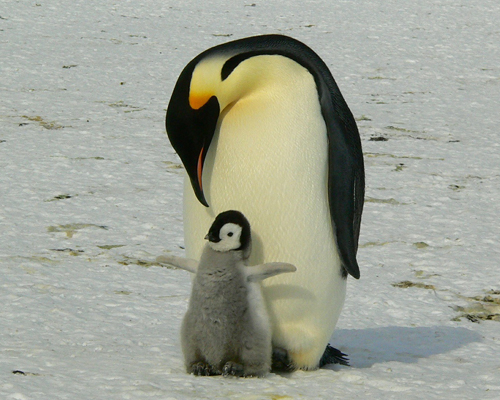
(232, 369)
(202, 369)
(333, 356)
(281, 361)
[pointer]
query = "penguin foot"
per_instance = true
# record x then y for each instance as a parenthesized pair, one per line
(232, 369)
(281, 361)
(202, 369)
(333, 356)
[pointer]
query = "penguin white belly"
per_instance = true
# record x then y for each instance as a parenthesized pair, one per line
(268, 159)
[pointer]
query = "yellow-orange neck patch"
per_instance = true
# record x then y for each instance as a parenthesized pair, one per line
(197, 101)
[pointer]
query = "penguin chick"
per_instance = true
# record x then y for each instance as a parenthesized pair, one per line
(226, 329)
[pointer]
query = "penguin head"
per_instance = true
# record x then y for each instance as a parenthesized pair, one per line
(230, 232)
(215, 81)
(199, 98)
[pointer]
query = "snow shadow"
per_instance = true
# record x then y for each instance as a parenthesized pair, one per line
(366, 347)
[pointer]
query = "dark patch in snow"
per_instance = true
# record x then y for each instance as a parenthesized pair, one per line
(408, 284)
(483, 308)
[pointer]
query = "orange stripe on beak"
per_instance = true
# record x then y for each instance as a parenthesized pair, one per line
(196, 101)
(199, 169)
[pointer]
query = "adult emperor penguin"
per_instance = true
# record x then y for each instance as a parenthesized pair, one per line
(261, 126)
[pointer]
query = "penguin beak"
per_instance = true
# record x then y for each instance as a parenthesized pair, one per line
(190, 131)
(212, 237)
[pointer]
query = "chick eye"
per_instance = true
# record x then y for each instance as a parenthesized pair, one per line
(230, 234)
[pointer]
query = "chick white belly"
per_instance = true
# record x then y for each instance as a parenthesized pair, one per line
(278, 179)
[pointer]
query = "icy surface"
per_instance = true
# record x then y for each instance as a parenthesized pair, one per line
(91, 194)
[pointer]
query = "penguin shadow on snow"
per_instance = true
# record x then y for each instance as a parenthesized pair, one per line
(401, 344)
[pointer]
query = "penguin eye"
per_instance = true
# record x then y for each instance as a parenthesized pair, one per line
(230, 234)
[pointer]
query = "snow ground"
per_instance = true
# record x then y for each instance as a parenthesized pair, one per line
(91, 194)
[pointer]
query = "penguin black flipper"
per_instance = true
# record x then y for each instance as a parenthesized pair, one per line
(346, 176)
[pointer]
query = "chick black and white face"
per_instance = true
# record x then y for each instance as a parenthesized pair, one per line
(230, 231)
(229, 238)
